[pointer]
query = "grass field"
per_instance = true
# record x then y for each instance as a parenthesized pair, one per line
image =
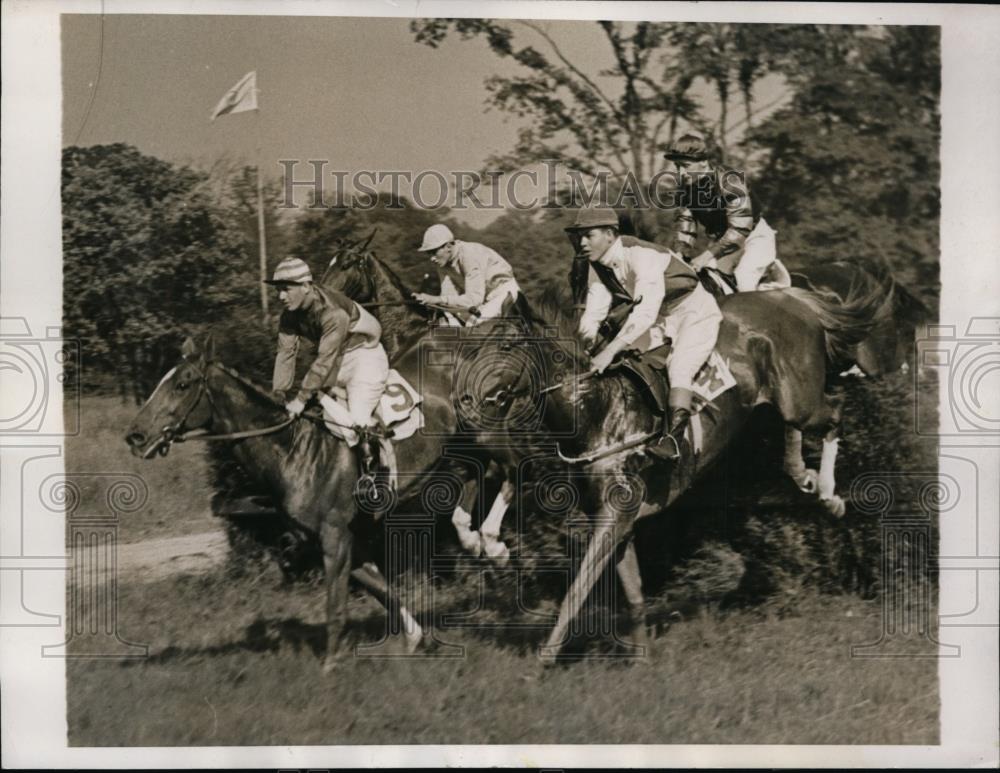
(235, 655)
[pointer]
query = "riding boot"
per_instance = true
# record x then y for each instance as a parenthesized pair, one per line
(668, 445)
(367, 452)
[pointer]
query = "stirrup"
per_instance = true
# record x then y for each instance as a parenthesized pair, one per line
(661, 449)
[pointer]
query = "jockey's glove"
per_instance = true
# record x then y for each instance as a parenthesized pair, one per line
(295, 407)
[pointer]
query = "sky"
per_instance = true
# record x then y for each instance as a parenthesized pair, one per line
(359, 93)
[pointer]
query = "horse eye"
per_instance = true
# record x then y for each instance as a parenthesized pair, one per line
(183, 385)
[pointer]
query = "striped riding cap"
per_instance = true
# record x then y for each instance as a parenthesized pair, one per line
(290, 271)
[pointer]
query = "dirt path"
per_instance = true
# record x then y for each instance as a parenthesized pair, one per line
(157, 559)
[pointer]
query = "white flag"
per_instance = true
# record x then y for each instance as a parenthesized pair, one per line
(240, 98)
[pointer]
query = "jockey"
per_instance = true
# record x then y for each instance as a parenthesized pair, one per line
(720, 200)
(348, 352)
(473, 276)
(667, 301)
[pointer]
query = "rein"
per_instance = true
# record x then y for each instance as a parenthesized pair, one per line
(247, 433)
(171, 435)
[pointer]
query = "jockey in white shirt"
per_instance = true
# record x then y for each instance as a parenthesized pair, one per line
(671, 304)
(473, 276)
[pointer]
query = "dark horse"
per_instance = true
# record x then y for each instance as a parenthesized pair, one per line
(311, 474)
(777, 344)
(408, 335)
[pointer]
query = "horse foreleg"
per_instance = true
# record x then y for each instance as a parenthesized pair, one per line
(595, 560)
(794, 464)
(631, 580)
(336, 542)
(827, 483)
(461, 519)
(372, 580)
(490, 528)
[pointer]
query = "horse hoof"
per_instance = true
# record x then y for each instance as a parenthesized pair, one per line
(808, 482)
(497, 552)
(548, 656)
(835, 505)
(471, 543)
(412, 640)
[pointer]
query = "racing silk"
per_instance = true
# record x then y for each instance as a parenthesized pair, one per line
(720, 201)
(640, 271)
(473, 275)
(335, 324)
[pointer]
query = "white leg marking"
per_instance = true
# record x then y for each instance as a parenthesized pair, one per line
(469, 539)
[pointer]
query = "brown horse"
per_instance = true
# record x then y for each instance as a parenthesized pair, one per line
(777, 345)
(310, 474)
(408, 329)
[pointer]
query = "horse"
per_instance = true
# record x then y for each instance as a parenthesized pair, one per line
(406, 327)
(777, 344)
(890, 345)
(310, 473)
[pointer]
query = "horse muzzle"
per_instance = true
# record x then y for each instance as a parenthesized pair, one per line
(140, 446)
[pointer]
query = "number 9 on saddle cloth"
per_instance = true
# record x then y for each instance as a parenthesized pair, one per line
(398, 414)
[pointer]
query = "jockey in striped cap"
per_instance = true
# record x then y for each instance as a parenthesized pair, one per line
(718, 198)
(349, 353)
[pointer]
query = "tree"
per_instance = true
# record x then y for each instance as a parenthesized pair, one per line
(850, 167)
(148, 258)
(622, 126)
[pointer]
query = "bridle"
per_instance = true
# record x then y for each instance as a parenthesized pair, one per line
(174, 433)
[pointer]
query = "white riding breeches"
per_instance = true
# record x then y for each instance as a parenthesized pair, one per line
(363, 373)
(759, 254)
(494, 302)
(693, 325)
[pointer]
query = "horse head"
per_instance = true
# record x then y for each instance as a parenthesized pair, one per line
(180, 403)
(351, 271)
(505, 369)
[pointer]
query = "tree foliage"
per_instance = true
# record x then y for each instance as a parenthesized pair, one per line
(148, 258)
(848, 167)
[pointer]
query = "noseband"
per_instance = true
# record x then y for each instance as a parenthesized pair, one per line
(174, 433)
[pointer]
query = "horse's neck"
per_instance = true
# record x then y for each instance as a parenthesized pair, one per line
(401, 324)
(236, 407)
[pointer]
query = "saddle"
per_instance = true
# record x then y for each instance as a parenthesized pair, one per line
(649, 369)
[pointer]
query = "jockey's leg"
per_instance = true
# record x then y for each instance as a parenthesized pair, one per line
(493, 306)
(696, 332)
(759, 252)
(364, 373)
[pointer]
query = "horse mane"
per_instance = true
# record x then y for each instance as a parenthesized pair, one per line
(259, 393)
(394, 279)
(554, 308)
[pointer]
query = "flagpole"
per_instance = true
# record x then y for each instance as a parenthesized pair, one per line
(261, 234)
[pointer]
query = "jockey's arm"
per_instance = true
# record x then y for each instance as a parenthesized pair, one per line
(739, 214)
(284, 361)
(595, 311)
(650, 289)
(473, 267)
(335, 325)
(687, 230)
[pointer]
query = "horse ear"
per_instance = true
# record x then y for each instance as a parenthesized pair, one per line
(209, 347)
(189, 348)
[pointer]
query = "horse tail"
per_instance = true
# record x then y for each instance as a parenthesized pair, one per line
(846, 322)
